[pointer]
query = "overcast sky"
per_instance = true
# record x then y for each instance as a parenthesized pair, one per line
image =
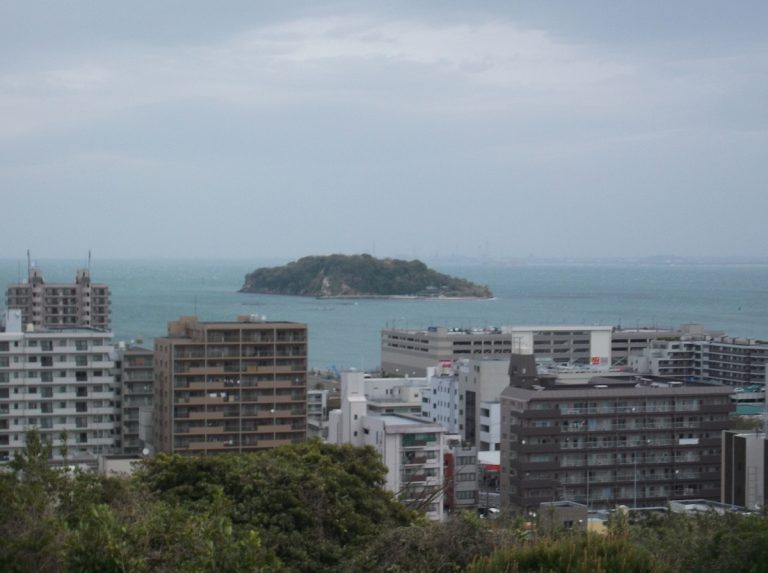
(281, 129)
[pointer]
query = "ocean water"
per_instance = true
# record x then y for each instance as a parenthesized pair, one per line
(146, 294)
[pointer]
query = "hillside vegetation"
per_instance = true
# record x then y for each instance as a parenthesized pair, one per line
(318, 508)
(359, 276)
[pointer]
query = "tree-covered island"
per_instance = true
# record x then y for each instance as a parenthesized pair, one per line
(361, 276)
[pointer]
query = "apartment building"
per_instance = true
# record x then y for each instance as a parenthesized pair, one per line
(730, 360)
(637, 442)
(82, 303)
(230, 386)
(58, 381)
(412, 448)
(134, 367)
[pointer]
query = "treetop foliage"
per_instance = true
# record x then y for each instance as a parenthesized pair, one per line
(318, 508)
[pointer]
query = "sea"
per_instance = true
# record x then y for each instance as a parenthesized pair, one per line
(146, 294)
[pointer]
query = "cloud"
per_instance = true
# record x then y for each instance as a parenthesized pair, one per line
(414, 66)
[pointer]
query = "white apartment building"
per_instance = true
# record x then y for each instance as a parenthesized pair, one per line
(490, 423)
(730, 360)
(440, 401)
(395, 395)
(410, 447)
(317, 413)
(58, 381)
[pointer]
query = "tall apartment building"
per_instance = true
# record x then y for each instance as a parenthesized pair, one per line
(81, 303)
(58, 381)
(134, 366)
(230, 386)
(636, 442)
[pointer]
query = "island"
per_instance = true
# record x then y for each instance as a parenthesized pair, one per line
(360, 276)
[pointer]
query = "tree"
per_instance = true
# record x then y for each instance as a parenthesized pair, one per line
(313, 504)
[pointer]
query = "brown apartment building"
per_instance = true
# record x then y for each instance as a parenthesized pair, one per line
(81, 303)
(230, 386)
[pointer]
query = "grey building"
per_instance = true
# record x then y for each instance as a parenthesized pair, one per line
(135, 376)
(632, 441)
(744, 476)
(462, 474)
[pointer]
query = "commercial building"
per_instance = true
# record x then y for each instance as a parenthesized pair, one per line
(412, 448)
(134, 366)
(58, 381)
(230, 386)
(638, 442)
(81, 303)
(406, 351)
(744, 477)
(413, 351)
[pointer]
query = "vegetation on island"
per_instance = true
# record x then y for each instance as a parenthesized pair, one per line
(359, 276)
(316, 507)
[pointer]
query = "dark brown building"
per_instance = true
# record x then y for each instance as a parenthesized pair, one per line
(636, 441)
(230, 386)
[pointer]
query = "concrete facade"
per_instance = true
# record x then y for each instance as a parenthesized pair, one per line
(744, 476)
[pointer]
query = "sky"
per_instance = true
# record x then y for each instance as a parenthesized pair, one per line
(429, 129)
